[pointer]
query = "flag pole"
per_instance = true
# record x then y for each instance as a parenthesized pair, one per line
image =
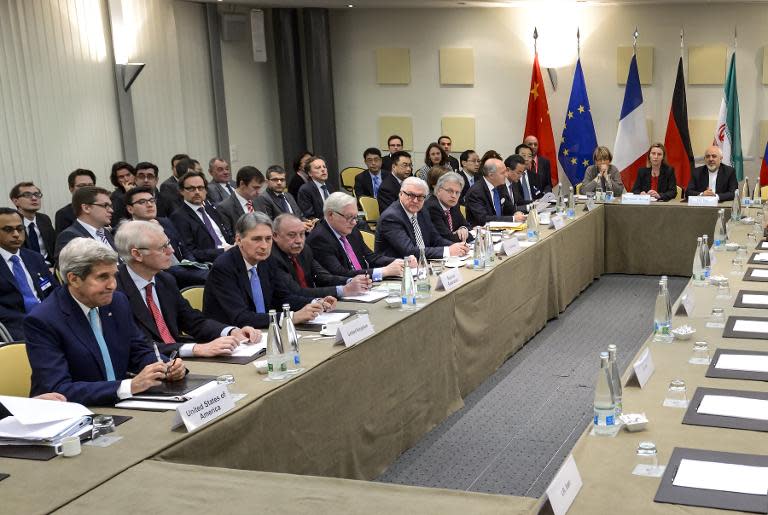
(634, 41)
(578, 43)
(682, 37)
(735, 38)
(535, 37)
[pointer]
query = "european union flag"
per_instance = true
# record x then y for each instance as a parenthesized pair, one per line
(579, 140)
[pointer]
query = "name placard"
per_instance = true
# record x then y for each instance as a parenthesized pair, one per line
(201, 410)
(355, 331)
(564, 487)
(701, 200)
(544, 219)
(637, 200)
(449, 279)
(642, 369)
(511, 246)
(558, 222)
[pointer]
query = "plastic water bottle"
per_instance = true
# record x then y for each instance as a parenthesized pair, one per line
(736, 207)
(560, 207)
(533, 224)
(665, 280)
(745, 198)
(407, 288)
(423, 287)
(291, 341)
(604, 422)
(662, 316)
(706, 262)
(757, 199)
(277, 368)
(616, 392)
(478, 254)
(721, 214)
(571, 204)
(490, 254)
(718, 240)
(697, 274)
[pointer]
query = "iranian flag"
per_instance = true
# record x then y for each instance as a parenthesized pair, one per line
(728, 131)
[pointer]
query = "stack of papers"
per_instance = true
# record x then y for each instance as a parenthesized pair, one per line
(41, 422)
(725, 477)
(249, 349)
(730, 406)
(743, 362)
(329, 318)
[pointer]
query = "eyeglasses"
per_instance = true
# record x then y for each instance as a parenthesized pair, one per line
(413, 196)
(348, 218)
(30, 194)
(277, 179)
(106, 205)
(192, 189)
(451, 192)
(144, 201)
(145, 176)
(162, 248)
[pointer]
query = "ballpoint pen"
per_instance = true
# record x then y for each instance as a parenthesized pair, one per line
(157, 353)
(171, 359)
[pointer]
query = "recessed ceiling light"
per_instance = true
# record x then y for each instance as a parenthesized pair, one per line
(350, 5)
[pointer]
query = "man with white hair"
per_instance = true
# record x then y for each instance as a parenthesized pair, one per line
(158, 307)
(488, 199)
(713, 179)
(82, 341)
(443, 208)
(404, 229)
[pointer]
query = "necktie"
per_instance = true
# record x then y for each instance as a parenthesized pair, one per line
(229, 188)
(350, 253)
(497, 201)
(209, 226)
(325, 191)
(376, 184)
(449, 219)
(93, 318)
(258, 295)
(162, 328)
(27, 294)
(283, 203)
(102, 236)
(34, 243)
(300, 277)
(511, 192)
(526, 188)
(417, 232)
(249, 206)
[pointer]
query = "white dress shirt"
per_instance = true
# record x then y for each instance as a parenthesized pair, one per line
(215, 226)
(40, 241)
(7, 259)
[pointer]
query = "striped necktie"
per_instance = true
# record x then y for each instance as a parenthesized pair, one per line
(417, 232)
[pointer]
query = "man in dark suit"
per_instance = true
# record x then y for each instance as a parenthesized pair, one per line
(24, 277)
(242, 285)
(404, 229)
(40, 236)
(515, 169)
(446, 143)
(79, 178)
(221, 185)
(541, 168)
(202, 230)
(158, 307)
(82, 341)
(313, 193)
(338, 246)
(276, 199)
(402, 168)
(94, 214)
(368, 182)
(249, 183)
(443, 208)
(146, 176)
(488, 200)
(714, 178)
(394, 144)
(170, 197)
(470, 168)
(297, 269)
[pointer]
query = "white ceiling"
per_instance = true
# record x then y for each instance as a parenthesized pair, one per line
(400, 4)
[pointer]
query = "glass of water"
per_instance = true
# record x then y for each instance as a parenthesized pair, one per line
(700, 354)
(677, 395)
(647, 455)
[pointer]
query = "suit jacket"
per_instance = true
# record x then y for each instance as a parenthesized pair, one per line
(12, 311)
(268, 203)
(119, 212)
(480, 208)
(726, 182)
(231, 211)
(613, 180)
(64, 218)
(195, 236)
(180, 250)
(466, 187)
(395, 236)
(169, 198)
(517, 196)
(65, 356)
(296, 182)
(178, 314)
(386, 162)
(667, 188)
(76, 230)
(542, 176)
(364, 183)
(329, 253)
(218, 193)
(440, 222)
(228, 298)
(320, 282)
(45, 227)
(310, 199)
(388, 192)
(454, 163)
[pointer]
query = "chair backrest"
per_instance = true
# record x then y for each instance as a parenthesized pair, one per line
(369, 239)
(194, 295)
(577, 189)
(370, 207)
(348, 175)
(463, 210)
(679, 193)
(15, 372)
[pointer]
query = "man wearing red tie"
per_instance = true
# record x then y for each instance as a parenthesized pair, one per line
(541, 169)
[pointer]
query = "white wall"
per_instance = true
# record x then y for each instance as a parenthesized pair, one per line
(502, 39)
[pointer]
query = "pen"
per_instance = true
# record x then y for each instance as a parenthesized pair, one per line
(170, 361)
(157, 353)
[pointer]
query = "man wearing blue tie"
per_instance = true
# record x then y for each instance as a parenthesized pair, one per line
(368, 182)
(24, 277)
(82, 341)
(488, 199)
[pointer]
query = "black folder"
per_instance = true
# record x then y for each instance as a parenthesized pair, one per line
(231, 360)
(729, 331)
(753, 261)
(693, 418)
(725, 373)
(748, 276)
(739, 302)
(316, 328)
(174, 388)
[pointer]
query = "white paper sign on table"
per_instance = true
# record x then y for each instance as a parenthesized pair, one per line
(763, 245)
(731, 406)
(759, 272)
(558, 222)
(751, 298)
(744, 362)
(638, 200)
(564, 487)
(643, 368)
(449, 279)
(751, 326)
(355, 331)
(201, 410)
(702, 200)
(687, 301)
(511, 246)
(725, 477)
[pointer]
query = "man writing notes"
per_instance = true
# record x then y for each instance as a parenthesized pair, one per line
(714, 178)
(488, 200)
(82, 342)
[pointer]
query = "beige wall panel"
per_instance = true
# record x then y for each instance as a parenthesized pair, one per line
(702, 133)
(400, 125)
(393, 66)
(762, 141)
(765, 65)
(644, 64)
(457, 66)
(461, 129)
(706, 64)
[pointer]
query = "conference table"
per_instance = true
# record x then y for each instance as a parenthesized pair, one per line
(355, 410)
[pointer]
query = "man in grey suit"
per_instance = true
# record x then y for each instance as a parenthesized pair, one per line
(249, 182)
(221, 185)
(276, 200)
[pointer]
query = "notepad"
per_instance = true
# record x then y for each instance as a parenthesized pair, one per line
(760, 256)
(730, 406)
(751, 326)
(329, 318)
(371, 296)
(750, 298)
(745, 362)
(726, 477)
(759, 272)
(246, 350)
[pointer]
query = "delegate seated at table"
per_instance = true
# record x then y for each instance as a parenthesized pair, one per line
(602, 174)
(657, 179)
(713, 178)
(82, 341)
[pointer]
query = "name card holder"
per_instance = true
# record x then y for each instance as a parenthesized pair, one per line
(636, 200)
(204, 409)
(558, 222)
(450, 279)
(511, 246)
(700, 200)
(642, 369)
(564, 487)
(354, 332)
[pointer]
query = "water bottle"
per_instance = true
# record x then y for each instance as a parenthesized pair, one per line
(662, 316)
(604, 422)
(665, 280)
(571, 204)
(697, 273)
(490, 254)
(533, 224)
(745, 198)
(276, 363)
(706, 263)
(736, 207)
(478, 254)
(559, 207)
(726, 235)
(757, 199)
(422, 277)
(615, 379)
(291, 341)
(407, 288)
(718, 242)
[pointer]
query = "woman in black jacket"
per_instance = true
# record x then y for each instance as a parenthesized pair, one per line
(658, 179)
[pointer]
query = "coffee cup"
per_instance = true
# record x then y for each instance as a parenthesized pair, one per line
(330, 328)
(70, 446)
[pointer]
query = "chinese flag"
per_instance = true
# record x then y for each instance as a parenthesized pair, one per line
(537, 122)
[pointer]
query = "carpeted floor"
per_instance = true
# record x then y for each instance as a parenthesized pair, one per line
(521, 423)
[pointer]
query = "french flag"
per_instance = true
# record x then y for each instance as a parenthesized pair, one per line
(632, 137)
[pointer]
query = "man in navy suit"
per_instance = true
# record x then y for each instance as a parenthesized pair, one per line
(249, 182)
(714, 179)
(82, 341)
(394, 144)
(40, 234)
(276, 200)
(402, 168)
(541, 168)
(515, 169)
(202, 230)
(242, 286)
(443, 208)
(488, 200)
(24, 276)
(79, 178)
(158, 307)
(404, 229)
(313, 193)
(368, 182)
(338, 246)
(94, 214)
